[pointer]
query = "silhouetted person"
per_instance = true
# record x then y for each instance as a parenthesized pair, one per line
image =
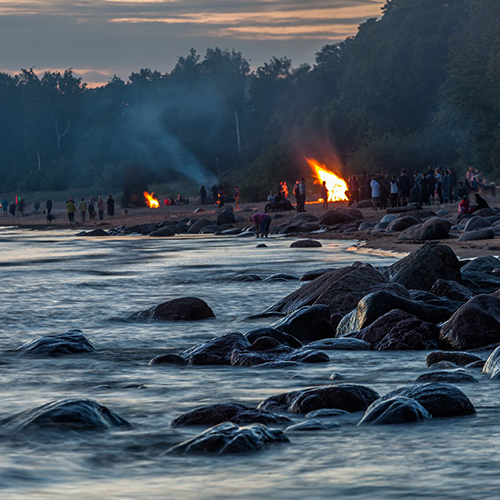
(100, 208)
(82, 208)
(71, 209)
(302, 192)
(324, 195)
(480, 202)
(5, 207)
(12, 210)
(111, 206)
(48, 206)
(203, 195)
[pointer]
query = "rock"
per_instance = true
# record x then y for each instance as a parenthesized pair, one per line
(478, 234)
(440, 263)
(280, 336)
(454, 377)
(171, 359)
(399, 330)
(182, 309)
(261, 245)
(482, 265)
(440, 400)
(479, 282)
(326, 413)
(281, 277)
(311, 425)
(340, 289)
(294, 229)
(273, 365)
(71, 342)
(307, 324)
(335, 217)
(312, 275)
(197, 226)
(402, 223)
(492, 365)
(94, 233)
(225, 217)
(475, 324)
(247, 277)
(396, 410)
(389, 218)
(343, 344)
(215, 414)
(476, 223)
(302, 218)
(451, 290)
(377, 304)
(485, 212)
(306, 244)
(366, 226)
(216, 351)
(348, 397)
(231, 232)
(213, 229)
(432, 229)
(351, 211)
(363, 204)
(457, 358)
(65, 414)
(229, 438)
(162, 232)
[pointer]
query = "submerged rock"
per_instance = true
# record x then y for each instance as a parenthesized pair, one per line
(306, 244)
(449, 377)
(311, 425)
(280, 336)
(216, 351)
(228, 412)
(396, 410)
(171, 359)
(347, 397)
(182, 309)
(230, 438)
(71, 342)
(65, 414)
(342, 344)
(457, 358)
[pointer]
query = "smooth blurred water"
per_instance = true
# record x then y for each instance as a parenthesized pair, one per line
(52, 281)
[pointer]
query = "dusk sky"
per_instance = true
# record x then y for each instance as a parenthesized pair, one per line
(99, 38)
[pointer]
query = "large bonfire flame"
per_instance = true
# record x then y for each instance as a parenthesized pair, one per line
(151, 201)
(336, 185)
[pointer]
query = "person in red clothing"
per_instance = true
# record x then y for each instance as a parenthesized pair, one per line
(464, 206)
(262, 222)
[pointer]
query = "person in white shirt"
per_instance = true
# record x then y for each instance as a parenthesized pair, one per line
(394, 192)
(375, 186)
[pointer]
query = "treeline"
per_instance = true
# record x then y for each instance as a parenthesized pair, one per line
(418, 86)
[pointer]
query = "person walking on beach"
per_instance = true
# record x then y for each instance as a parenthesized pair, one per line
(324, 195)
(375, 187)
(203, 195)
(100, 208)
(5, 207)
(71, 209)
(82, 208)
(111, 206)
(236, 196)
(262, 222)
(48, 206)
(12, 210)
(91, 208)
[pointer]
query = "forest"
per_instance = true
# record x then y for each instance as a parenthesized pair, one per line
(420, 85)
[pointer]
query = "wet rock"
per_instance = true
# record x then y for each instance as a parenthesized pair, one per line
(476, 365)
(275, 365)
(327, 413)
(451, 290)
(230, 438)
(342, 344)
(306, 244)
(457, 358)
(261, 245)
(170, 359)
(348, 397)
(335, 217)
(399, 330)
(476, 223)
(340, 289)
(213, 229)
(396, 410)
(475, 324)
(482, 265)
(292, 229)
(281, 277)
(94, 233)
(492, 365)
(197, 226)
(308, 324)
(312, 275)
(163, 232)
(303, 218)
(450, 377)
(440, 263)
(280, 336)
(65, 414)
(247, 277)
(311, 425)
(478, 234)
(236, 413)
(231, 232)
(440, 400)
(181, 309)
(432, 229)
(486, 212)
(377, 304)
(71, 342)
(402, 223)
(225, 217)
(216, 351)
(479, 282)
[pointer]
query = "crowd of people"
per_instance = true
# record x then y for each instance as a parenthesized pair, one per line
(86, 208)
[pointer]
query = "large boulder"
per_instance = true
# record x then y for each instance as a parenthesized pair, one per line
(421, 269)
(457, 358)
(492, 365)
(451, 290)
(308, 324)
(182, 309)
(215, 414)
(448, 377)
(71, 342)
(216, 351)
(65, 414)
(402, 223)
(197, 226)
(163, 232)
(340, 289)
(399, 330)
(476, 223)
(482, 265)
(230, 438)
(348, 397)
(396, 410)
(478, 234)
(476, 324)
(279, 335)
(336, 217)
(225, 216)
(434, 228)
(479, 282)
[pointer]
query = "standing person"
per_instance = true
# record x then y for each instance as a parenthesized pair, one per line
(262, 222)
(5, 207)
(71, 209)
(447, 187)
(365, 192)
(424, 189)
(48, 206)
(111, 206)
(12, 210)
(394, 192)
(215, 193)
(354, 188)
(404, 188)
(82, 208)
(100, 208)
(432, 186)
(302, 192)
(236, 195)
(36, 205)
(91, 208)
(439, 184)
(222, 196)
(375, 187)
(203, 195)
(324, 195)
(296, 193)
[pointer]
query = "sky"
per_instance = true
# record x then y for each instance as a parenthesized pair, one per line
(100, 38)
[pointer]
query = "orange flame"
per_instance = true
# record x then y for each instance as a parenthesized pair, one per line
(151, 201)
(336, 185)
